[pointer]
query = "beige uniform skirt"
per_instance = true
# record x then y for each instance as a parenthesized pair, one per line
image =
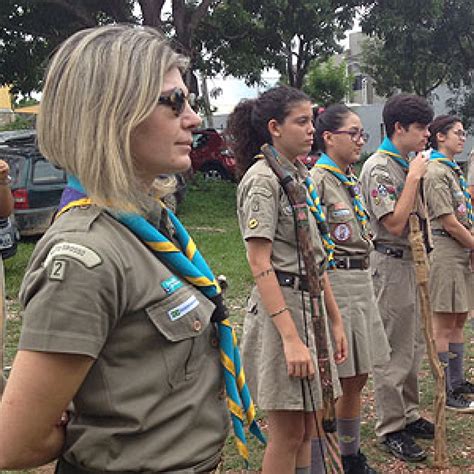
(265, 364)
(366, 339)
(451, 280)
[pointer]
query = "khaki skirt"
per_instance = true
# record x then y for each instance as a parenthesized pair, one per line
(264, 361)
(366, 339)
(451, 280)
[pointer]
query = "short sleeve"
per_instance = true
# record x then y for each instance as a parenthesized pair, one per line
(259, 209)
(438, 195)
(380, 194)
(72, 294)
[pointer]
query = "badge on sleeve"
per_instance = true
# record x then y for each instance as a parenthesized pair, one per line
(462, 209)
(342, 232)
(69, 250)
(252, 223)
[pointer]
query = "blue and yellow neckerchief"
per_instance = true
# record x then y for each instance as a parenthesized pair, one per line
(390, 149)
(438, 156)
(314, 205)
(325, 162)
(190, 264)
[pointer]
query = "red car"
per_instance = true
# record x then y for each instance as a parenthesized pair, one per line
(211, 154)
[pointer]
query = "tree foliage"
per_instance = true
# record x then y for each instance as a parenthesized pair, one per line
(328, 83)
(243, 37)
(416, 45)
(30, 30)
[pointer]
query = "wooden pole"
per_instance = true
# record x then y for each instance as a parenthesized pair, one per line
(420, 259)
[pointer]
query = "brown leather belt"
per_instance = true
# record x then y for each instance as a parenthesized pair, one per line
(346, 262)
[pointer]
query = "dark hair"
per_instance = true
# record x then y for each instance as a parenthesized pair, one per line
(330, 120)
(248, 123)
(406, 109)
(441, 124)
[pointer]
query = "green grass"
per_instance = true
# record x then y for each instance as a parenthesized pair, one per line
(209, 214)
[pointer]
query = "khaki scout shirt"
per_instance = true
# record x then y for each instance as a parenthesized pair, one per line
(382, 180)
(264, 211)
(153, 400)
(347, 231)
(470, 169)
(444, 195)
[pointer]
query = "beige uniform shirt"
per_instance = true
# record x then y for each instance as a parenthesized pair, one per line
(264, 211)
(470, 169)
(153, 401)
(382, 180)
(347, 232)
(444, 195)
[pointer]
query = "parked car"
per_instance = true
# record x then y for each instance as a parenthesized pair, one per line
(36, 185)
(211, 155)
(8, 237)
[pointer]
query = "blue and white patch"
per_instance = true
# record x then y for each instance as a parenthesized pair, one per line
(171, 285)
(341, 212)
(184, 308)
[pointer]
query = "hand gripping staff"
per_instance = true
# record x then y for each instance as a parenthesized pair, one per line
(298, 199)
(188, 262)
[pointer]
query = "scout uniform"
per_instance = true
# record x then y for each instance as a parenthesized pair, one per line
(154, 400)
(451, 281)
(393, 274)
(351, 281)
(470, 169)
(264, 211)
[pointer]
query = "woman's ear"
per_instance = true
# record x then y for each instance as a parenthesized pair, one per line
(274, 128)
(327, 137)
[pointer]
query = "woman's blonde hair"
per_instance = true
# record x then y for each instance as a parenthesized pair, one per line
(101, 83)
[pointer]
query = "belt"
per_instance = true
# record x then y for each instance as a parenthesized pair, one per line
(346, 262)
(394, 252)
(440, 232)
(299, 283)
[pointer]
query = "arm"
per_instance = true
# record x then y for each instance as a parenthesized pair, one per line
(457, 230)
(334, 314)
(297, 355)
(6, 198)
(396, 221)
(40, 387)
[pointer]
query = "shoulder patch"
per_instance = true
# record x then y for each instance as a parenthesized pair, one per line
(78, 252)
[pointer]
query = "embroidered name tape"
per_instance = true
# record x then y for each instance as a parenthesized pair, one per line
(184, 308)
(341, 212)
(85, 255)
(171, 285)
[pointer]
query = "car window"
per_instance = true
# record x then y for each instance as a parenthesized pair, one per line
(45, 172)
(15, 163)
(199, 140)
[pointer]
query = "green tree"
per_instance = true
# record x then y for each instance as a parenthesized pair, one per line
(244, 37)
(30, 30)
(328, 82)
(416, 45)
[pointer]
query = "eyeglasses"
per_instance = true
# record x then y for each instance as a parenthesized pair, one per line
(177, 99)
(355, 135)
(460, 133)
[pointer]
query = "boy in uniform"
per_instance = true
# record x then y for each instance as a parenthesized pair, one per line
(391, 189)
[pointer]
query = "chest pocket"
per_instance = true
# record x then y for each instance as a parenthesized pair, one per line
(341, 223)
(182, 320)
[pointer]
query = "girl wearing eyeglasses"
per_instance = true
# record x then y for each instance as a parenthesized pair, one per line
(339, 136)
(110, 323)
(451, 272)
(278, 346)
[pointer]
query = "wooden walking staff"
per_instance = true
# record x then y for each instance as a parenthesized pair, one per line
(297, 197)
(3, 319)
(420, 259)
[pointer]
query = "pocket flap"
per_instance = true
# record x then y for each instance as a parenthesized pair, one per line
(184, 314)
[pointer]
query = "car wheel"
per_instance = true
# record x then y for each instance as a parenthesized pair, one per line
(214, 172)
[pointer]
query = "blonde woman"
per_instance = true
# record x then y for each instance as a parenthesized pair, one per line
(107, 325)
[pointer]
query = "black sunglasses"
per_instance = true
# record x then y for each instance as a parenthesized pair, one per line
(177, 99)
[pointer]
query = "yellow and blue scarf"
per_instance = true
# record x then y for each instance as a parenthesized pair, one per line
(391, 150)
(325, 162)
(438, 156)
(188, 262)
